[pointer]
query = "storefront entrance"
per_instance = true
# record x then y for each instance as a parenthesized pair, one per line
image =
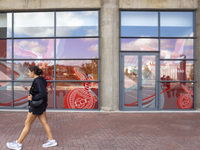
(139, 81)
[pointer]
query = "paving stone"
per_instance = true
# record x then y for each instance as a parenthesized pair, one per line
(106, 131)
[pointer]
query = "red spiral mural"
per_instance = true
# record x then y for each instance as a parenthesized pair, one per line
(81, 98)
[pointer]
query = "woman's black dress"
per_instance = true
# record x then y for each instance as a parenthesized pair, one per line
(38, 91)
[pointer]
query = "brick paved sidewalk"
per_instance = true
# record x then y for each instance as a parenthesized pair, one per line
(107, 131)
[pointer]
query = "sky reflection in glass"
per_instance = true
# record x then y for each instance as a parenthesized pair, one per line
(176, 48)
(139, 44)
(34, 24)
(77, 23)
(139, 24)
(33, 48)
(176, 24)
(77, 48)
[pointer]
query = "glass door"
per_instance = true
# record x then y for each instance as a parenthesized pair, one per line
(139, 76)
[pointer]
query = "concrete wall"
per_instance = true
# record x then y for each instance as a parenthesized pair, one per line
(109, 55)
(48, 4)
(70, 4)
(109, 31)
(159, 4)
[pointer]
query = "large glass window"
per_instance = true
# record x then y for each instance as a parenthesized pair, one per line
(171, 34)
(64, 44)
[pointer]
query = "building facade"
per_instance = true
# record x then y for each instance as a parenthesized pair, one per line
(102, 54)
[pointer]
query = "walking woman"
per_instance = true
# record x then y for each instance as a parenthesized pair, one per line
(37, 92)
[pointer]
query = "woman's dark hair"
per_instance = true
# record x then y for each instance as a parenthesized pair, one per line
(36, 70)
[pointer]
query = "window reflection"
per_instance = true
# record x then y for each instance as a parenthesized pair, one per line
(139, 44)
(177, 70)
(77, 70)
(5, 25)
(6, 94)
(177, 48)
(139, 24)
(148, 81)
(50, 90)
(177, 96)
(77, 95)
(6, 49)
(21, 67)
(77, 48)
(77, 23)
(6, 70)
(33, 43)
(20, 94)
(33, 48)
(131, 81)
(34, 24)
(176, 24)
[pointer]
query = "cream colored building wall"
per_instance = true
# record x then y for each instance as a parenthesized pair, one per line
(48, 4)
(70, 4)
(158, 4)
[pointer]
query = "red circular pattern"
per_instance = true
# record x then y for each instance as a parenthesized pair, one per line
(79, 98)
(185, 101)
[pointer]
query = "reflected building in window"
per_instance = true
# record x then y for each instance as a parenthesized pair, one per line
(64, 44)
(145, 55)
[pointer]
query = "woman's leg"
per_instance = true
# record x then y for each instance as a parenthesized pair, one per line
(29, 120)
(43, 120)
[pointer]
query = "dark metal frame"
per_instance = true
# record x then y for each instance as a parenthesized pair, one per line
(159, 37)
(53, 59)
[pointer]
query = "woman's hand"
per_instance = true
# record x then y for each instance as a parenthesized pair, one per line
(26, 88)
(30, 97)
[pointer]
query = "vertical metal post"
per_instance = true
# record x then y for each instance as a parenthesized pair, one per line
(158, 67)
(54, 60)
(12, 60)
(139, 81)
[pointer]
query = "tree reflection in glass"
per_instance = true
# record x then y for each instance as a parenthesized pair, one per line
(21, 67)
(69, 69)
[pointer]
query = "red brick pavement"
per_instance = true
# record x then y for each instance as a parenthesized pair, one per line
(107, 131)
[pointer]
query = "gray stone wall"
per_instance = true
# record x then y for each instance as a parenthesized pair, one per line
(109, 55)
(159, 4)
(48, 4)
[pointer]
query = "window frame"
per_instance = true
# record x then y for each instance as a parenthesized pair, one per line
(194, 81)
(54, 59)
